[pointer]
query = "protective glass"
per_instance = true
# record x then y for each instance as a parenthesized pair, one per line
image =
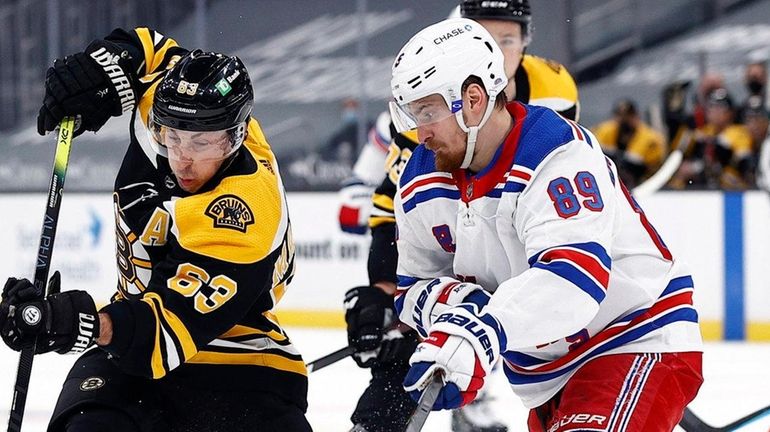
(424, 111)
(183, 145)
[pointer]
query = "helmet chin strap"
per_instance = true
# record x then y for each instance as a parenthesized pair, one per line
(473, 131)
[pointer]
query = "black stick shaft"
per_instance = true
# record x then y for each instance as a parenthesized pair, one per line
(330, 359)
(692, 423)
(43, 265)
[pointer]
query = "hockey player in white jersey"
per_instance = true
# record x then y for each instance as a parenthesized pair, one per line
(531, 79)
(517, 241)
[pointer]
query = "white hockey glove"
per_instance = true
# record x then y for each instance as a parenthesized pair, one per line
(464, 344)
(355, 206)
(425, 302)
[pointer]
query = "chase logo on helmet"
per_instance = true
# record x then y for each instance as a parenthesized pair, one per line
(229, 211)
(455, 32)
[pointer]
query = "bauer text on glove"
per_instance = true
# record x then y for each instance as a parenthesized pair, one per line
(464, 344)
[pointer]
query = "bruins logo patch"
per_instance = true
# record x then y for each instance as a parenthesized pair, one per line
(92, 383)
(229, 211)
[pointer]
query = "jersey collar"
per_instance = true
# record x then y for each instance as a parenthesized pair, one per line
(473, 186)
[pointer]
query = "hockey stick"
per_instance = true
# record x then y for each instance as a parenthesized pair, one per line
(330, 359)
(425, 405)
(667, 170)
(691, 423)
(43, 264)
(341, 353)
(661, 176)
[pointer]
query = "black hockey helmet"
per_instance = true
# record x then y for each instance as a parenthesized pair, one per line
(205, 91)
(507, 10)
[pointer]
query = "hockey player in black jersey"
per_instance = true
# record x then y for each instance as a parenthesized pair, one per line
(371, 328)
(204, 252)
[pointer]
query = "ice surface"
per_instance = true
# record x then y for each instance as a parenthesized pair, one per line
(737, 382)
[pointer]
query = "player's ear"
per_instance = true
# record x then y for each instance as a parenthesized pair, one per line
(476, 98)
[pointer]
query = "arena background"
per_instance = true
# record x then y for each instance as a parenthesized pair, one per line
(307, 58)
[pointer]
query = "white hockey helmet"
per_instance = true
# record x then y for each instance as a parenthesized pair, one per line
(438, 60)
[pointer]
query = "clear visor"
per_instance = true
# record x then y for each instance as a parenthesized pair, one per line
(425, 111)
(183, 145)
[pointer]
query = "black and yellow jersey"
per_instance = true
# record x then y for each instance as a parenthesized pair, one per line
(538, 81)
(200, 273)
(544, 82)
(646, 146)
(734, 144)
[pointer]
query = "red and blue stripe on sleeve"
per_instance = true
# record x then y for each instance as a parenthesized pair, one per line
(586, 265)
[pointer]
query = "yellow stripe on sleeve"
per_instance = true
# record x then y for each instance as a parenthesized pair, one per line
(277, 292)
(146, 102)
(241, 330)
(156, 363)
(260, 359)
(375, 221)
(177, 327)
(160, 55)
(384, 202)
(148, 46)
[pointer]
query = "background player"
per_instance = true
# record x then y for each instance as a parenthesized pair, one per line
(204, 252)
(518, 240)
(368, 308)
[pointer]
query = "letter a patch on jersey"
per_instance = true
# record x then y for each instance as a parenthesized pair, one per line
(229, 211)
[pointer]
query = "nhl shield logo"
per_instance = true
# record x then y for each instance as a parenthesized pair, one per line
(229, 211)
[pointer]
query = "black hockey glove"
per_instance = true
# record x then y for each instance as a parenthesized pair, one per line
(95, 84)
(63, 322)
(372, 329)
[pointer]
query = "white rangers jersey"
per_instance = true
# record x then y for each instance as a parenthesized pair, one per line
(576, 269)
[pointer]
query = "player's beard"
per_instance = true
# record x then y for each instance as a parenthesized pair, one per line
(449, 160)
(448, 157)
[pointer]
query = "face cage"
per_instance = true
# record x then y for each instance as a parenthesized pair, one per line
(156, 133)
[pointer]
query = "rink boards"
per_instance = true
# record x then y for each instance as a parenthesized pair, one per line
(724, 238)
